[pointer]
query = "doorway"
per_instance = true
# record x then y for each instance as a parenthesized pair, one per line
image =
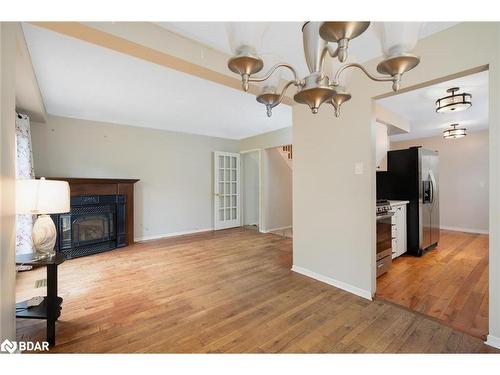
(227, 206)
(251, 189)
(447, 280)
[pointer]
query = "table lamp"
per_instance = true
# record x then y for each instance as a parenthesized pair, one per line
(42, 197)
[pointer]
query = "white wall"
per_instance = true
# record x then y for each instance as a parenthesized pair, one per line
(175, 194)
(250, 187)
(381, 146)
(277, 190)
(463, 179)
(281, 137)
(334, 209)
(7, 181)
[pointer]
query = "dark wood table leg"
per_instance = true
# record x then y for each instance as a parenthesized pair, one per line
(51, 303)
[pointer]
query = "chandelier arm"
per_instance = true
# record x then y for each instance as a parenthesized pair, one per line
(272, 70)
(283, 91)
(336, 81)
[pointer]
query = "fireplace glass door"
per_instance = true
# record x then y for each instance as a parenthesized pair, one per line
(92, 228)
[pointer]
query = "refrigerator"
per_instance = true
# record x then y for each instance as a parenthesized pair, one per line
(413, 175)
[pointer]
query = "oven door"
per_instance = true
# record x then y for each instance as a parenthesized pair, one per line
(384, 236)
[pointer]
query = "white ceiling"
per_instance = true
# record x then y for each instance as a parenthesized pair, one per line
(418, 107)
(81, 80)
(285, 39)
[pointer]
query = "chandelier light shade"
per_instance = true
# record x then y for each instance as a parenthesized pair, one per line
(342, 33)
(454, 102)
(454, 132)
(245, 40)
(322, 41)
(397, 38)
(246, 35)
(341, 94)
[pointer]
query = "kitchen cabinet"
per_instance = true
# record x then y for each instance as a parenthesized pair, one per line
(399, 244)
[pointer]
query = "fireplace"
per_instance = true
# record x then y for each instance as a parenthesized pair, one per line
(101, 217)
(95, 224)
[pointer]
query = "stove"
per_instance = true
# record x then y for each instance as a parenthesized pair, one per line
(384, 236)
(383, 207)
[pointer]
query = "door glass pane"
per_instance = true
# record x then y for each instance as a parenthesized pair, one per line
(233, 174)
(233, 217)
(227, 162)
(233, 188)
(228, 214)
(227, 175)
(221, 188)
(233, 201)
(227, 188)
(221, 202)
(221, 161)
(233, 162)
(221, 174)
(228, 204)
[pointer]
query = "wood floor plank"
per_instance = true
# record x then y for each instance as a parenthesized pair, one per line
(449, 283)
(231, 291)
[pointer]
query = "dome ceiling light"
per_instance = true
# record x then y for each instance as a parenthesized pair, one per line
(397, 39)
(454, 132)
(454, 102)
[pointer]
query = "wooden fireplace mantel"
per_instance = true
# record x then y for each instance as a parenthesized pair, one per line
(106, 186)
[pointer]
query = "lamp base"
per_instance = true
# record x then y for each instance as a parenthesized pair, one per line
(44, 236)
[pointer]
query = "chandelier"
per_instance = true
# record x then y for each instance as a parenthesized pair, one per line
(454, 132)
(454, 102)
(322, 40)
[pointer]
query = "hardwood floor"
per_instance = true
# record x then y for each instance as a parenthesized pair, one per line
(449, 283)
(227, 291)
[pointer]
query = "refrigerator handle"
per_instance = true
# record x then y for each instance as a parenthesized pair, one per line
(431, 200)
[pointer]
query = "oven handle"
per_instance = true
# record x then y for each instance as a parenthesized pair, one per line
(385, 216)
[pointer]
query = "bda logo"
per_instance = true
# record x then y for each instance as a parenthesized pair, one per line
(8, 346)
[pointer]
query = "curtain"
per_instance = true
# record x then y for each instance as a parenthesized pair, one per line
(24, 170)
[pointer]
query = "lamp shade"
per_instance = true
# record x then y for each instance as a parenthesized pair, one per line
(397, 38)
(42, 197)
(245, 35)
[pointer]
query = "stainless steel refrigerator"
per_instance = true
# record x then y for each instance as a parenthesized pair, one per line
(413, 175)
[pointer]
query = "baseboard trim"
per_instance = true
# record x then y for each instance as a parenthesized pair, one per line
(275, 229)
(336, 283)
(466, 230)
(172, 234)
(493, 341)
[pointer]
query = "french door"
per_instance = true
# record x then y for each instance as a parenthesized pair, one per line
(227, 190)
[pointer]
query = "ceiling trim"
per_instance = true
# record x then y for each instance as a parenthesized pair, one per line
(102, 34)
(477, 69)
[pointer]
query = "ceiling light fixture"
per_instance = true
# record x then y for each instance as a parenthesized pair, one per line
(397, 39)
(454, 132)
(454, 102)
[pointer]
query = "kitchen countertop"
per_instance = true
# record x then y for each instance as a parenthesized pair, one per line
(398, 203)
